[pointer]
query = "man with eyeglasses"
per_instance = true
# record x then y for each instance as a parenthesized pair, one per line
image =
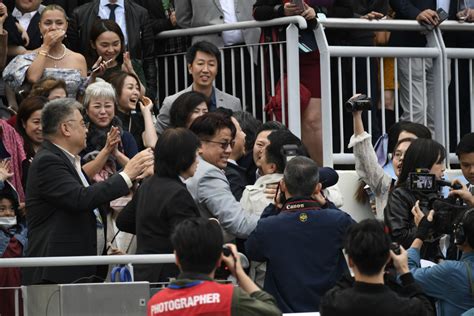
(64, 215)
(209, 185)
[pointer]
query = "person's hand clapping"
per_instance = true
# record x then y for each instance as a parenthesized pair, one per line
(5, 168)
(113, 139)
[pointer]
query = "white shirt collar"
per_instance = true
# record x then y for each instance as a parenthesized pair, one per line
(120, 3)
(17, 14)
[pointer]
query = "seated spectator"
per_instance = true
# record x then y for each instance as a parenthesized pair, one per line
(50, 88)
(203, 60)
(107, 53)
(197, 245)
(13, 241)
(449, 282)
(106, 138)
(422, 154)
(135, 25)
(134, 109)
(187, 107)
(28, 125)
(52, 59)
(162, 202)
(368, 250)
(302, 244)
(209, 186)
(367, 161)
(465, 153)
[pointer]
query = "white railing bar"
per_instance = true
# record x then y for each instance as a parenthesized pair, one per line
(371, 51)
(461, 53)
(390, 25)
(348, 159)
(85, 260)
(299, 20)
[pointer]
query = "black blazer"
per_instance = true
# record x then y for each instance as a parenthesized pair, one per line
(237, 178)
(139, 31)
(14, 37)
(60, 215)
(156, 208)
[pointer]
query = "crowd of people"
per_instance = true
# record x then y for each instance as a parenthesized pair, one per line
(90, 167)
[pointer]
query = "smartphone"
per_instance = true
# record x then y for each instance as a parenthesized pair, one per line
(442, 15)
(299, 4)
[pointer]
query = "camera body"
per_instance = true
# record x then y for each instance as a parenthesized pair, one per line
(359, 103)
(427, 189)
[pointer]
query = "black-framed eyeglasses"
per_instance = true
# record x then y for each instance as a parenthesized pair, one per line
(223, 145)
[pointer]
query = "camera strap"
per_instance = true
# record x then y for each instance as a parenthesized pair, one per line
(469, 275)
(300, 205)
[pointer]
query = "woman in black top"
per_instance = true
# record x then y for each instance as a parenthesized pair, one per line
(162, 201)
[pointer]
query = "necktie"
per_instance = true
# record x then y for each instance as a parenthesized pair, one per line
(112, 7)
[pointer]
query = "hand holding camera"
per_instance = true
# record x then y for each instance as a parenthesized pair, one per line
(424, 223)
(400, 258)
(358, 102)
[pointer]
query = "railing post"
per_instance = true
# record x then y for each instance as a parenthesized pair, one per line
(326, 104)
(293, 75)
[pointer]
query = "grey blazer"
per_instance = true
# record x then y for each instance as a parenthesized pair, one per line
(211, 192)
(194, 13)
(222, 100)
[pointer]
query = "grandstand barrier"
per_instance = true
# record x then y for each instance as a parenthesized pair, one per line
(272, 65)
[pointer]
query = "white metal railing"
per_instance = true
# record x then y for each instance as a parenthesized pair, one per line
(256, 101)
(435, 51)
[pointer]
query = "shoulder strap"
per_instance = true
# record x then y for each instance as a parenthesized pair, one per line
(469, 275)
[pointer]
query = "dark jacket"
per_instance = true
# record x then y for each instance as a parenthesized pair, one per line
(303, 250)
(156, 208)
(237, 179)
(140, 36)
(60, 216)
(14, 37)
(359, 298)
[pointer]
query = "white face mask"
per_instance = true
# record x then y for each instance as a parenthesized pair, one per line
(7, 222)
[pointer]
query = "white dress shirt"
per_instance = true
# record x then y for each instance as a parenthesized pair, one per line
(104, 13)
(234, 36)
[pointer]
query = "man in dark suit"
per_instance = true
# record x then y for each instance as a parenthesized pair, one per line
(134, 23)
(63, 215)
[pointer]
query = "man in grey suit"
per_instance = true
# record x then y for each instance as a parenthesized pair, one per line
(209, 185)
(195, 13)
(203, 62)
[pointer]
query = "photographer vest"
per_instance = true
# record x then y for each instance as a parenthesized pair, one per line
(194, 298)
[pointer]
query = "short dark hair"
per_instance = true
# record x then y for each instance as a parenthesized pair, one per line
(271, 126)
(422, 153)
(183, 107)
(117, 80)
(250, 125)
(419, 130)
(205, 47)
(466, 145)
(301, 176)
(403, 140)
(468, 226)
(99, 27)
(277, 140)
(55, 112)
(368, 246)
(175, 151)
(198, 244)
(209, 124)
